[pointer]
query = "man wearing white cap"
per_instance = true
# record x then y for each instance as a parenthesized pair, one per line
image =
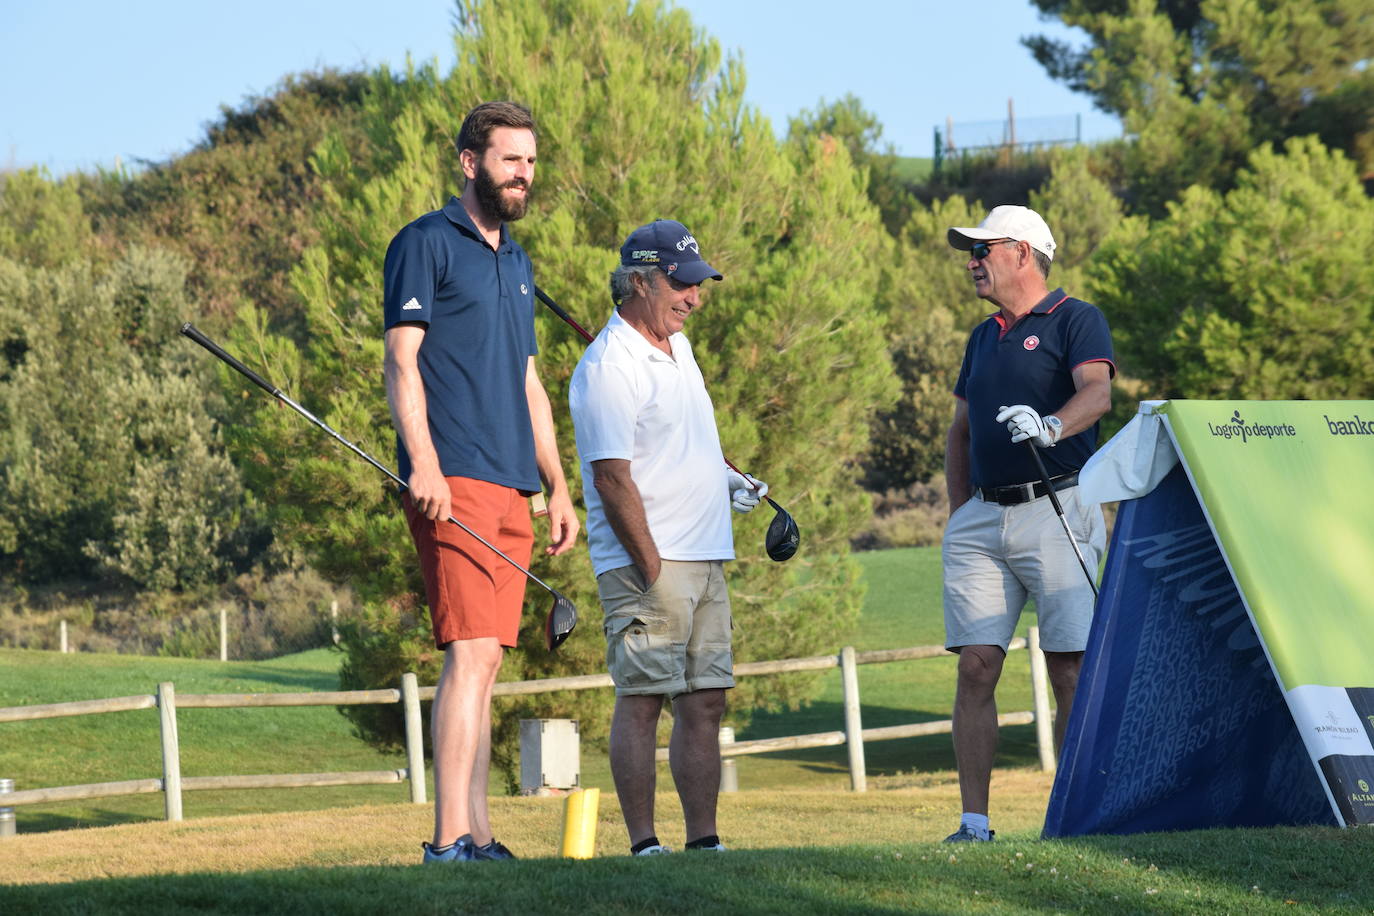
(1049, 356)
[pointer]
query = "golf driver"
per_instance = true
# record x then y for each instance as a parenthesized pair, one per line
(562, 617)
(783, 537)
(1059, 510)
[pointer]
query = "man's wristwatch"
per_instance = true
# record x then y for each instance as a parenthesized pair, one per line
(1056, 428)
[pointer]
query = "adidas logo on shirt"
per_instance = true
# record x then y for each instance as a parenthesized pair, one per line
(411, 306)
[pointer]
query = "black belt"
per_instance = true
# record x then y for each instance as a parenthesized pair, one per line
(1019, 493)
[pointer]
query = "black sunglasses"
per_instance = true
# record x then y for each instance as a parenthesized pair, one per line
(981, 250)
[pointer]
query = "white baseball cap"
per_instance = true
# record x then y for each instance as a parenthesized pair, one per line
(1007, 222)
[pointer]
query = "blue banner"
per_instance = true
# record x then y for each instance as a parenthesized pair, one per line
(1178, 722)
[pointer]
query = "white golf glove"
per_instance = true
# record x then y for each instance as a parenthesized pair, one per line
(1024, 423)
(745, 491)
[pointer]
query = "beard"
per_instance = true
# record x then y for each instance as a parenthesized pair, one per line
(497, 204)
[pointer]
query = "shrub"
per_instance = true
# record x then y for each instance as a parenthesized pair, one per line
(910, 517)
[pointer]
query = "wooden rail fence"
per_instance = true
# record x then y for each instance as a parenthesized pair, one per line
(173, 784)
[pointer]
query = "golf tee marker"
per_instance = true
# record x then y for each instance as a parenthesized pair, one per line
(579, 823)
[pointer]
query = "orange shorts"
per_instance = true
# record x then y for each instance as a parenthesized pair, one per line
(472, 592)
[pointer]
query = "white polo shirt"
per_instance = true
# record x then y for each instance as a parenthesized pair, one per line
(632, 401)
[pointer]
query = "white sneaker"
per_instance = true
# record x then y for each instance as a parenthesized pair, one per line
(966, 834)
(719, 847)
(659, 850)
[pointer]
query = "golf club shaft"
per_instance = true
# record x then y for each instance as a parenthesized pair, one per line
(1059, 510)
(195, 334)
(559, 311)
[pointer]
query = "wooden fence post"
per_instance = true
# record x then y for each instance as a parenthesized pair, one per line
(7, 823)
(415, 740)
(729, 775)
(171, 749)
(62, 636)
(223, 635)
(1044, 729)
(853, 723)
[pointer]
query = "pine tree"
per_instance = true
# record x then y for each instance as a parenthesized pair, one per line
(1199, 84)
(1258, 293)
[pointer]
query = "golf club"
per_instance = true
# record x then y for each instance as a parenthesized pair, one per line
(562, 617)
(783, 537)
(1059, 510)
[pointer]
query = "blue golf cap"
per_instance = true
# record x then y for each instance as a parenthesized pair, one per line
(668, 245)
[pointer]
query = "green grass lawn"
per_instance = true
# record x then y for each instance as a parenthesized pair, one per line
(802, 843)
(902, 608)
(125, 745)
(795, 852)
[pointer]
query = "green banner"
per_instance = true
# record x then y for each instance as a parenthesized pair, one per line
(1289, 489)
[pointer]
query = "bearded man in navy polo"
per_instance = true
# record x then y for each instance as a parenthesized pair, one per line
(474, 439)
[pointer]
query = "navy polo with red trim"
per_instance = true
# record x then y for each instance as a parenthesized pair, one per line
(1030, 363)
(478, 306)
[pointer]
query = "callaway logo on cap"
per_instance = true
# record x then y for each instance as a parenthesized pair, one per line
(669, 244)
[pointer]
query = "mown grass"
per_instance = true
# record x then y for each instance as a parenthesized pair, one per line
(801, 843)
(796, 852)
(902, 609)
(125, 745)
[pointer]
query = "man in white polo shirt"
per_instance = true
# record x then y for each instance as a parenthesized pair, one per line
(658, 498)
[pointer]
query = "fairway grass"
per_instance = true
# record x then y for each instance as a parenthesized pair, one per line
(800, 842)
(902, 608)
(126, 745)
(792, 852)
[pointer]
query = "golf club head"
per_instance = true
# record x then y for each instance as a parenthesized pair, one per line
(558, 626)
(783, 538)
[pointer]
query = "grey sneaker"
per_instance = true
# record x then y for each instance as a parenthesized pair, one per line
(659, 850)
(461, 850)
(719, 847)
(966, 834)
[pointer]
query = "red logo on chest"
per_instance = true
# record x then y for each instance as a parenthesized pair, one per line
(1031, 342)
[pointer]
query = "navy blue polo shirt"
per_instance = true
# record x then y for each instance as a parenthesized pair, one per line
(1030, 363)
(478, 305)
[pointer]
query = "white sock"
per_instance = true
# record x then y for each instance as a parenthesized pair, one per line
(979, 822)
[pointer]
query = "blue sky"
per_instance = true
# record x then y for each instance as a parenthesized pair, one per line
(84, 83)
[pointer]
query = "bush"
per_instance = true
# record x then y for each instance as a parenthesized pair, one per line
(109, 460)
(42, 223)
(1259, 293)
(910, 517)
(268, 615)
(239, 205)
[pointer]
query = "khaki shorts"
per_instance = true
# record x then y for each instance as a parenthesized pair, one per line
(671, 638)
(995, 557)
